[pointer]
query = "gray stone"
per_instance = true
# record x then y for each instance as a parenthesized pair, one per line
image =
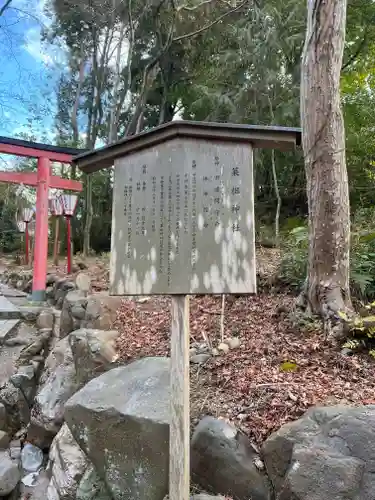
(8, 310)
(193, 351)
(9, 474)
(68, 464)
(83, 282)
(61, 288)
(3, 417)
(78, 311)
(45, 320)
(343, 476)
(328, 453)
(204, 496)
(7, 327)
(9, 357)
(17, 409)
(9, 292)
(30, 312)
(50, 294)
(121, 421)
(51, 279)
(94, 352)
(39, 347)
(92, 487)
(25, 380)
(67, 323)
(57, 385)
(4, 440)
(15, 449)
(200, 358)
(31, 458)
(101, 311)
(234, 342)
(222, 461)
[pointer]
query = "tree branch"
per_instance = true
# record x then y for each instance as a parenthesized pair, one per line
(209, 25)
(190, 9)
(5, 6)
(354, 56)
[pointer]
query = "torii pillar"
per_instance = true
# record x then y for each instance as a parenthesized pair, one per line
(43, 180)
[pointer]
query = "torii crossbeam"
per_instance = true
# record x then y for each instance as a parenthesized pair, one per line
(43, 180)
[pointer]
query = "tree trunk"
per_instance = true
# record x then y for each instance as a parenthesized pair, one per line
(278, 198)
(327, 284)
(88, 214)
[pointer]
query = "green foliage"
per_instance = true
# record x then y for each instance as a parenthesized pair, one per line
(293, 266)
(361, 332)
(362, 261)
(362, 258)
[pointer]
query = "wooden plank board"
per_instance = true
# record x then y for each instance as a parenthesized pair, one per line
(183, 221)
(7, 326)
(179, 465)
(8, 310)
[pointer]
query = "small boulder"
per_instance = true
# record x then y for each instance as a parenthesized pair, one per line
(328, 453)
(234, 343)
(31, 458)
(15, 449)
(121, 421)
(9, 474)
(4, 440)
(101, 311)
(68, 323)
(57, 384)
(45, 320)
(61, 289)
(67, 464)
(223, 347)
(94, 352)
(78, 311)
(26, 381)
(83, 282)
(222, 461)
(17, 409)
(200, 358)
(3, 417)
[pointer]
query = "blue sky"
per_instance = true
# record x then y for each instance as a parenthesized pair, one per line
(28, 71)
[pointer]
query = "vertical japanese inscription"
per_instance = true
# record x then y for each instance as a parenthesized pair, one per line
(170, 210)
(178, 213)
(128, 212)
(236, 192)
(186, 204)
(153, 209)
(161, 226)
(194, 216)
(219, 192)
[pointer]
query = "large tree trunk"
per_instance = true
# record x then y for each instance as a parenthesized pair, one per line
(327, 284)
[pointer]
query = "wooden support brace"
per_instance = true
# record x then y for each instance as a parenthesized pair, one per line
(179, 464)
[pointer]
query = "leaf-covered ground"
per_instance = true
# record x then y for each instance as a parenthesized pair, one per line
(248, 385)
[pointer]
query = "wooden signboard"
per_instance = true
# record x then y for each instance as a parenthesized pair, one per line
(183, 223)
(183, 220)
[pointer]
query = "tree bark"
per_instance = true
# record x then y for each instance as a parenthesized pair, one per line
(323, 136)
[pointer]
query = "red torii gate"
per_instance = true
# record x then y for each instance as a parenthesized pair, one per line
(42, 180)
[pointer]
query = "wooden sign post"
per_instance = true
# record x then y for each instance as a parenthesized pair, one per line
(182, 224)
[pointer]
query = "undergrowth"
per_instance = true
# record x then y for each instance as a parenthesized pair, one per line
(362, 259)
